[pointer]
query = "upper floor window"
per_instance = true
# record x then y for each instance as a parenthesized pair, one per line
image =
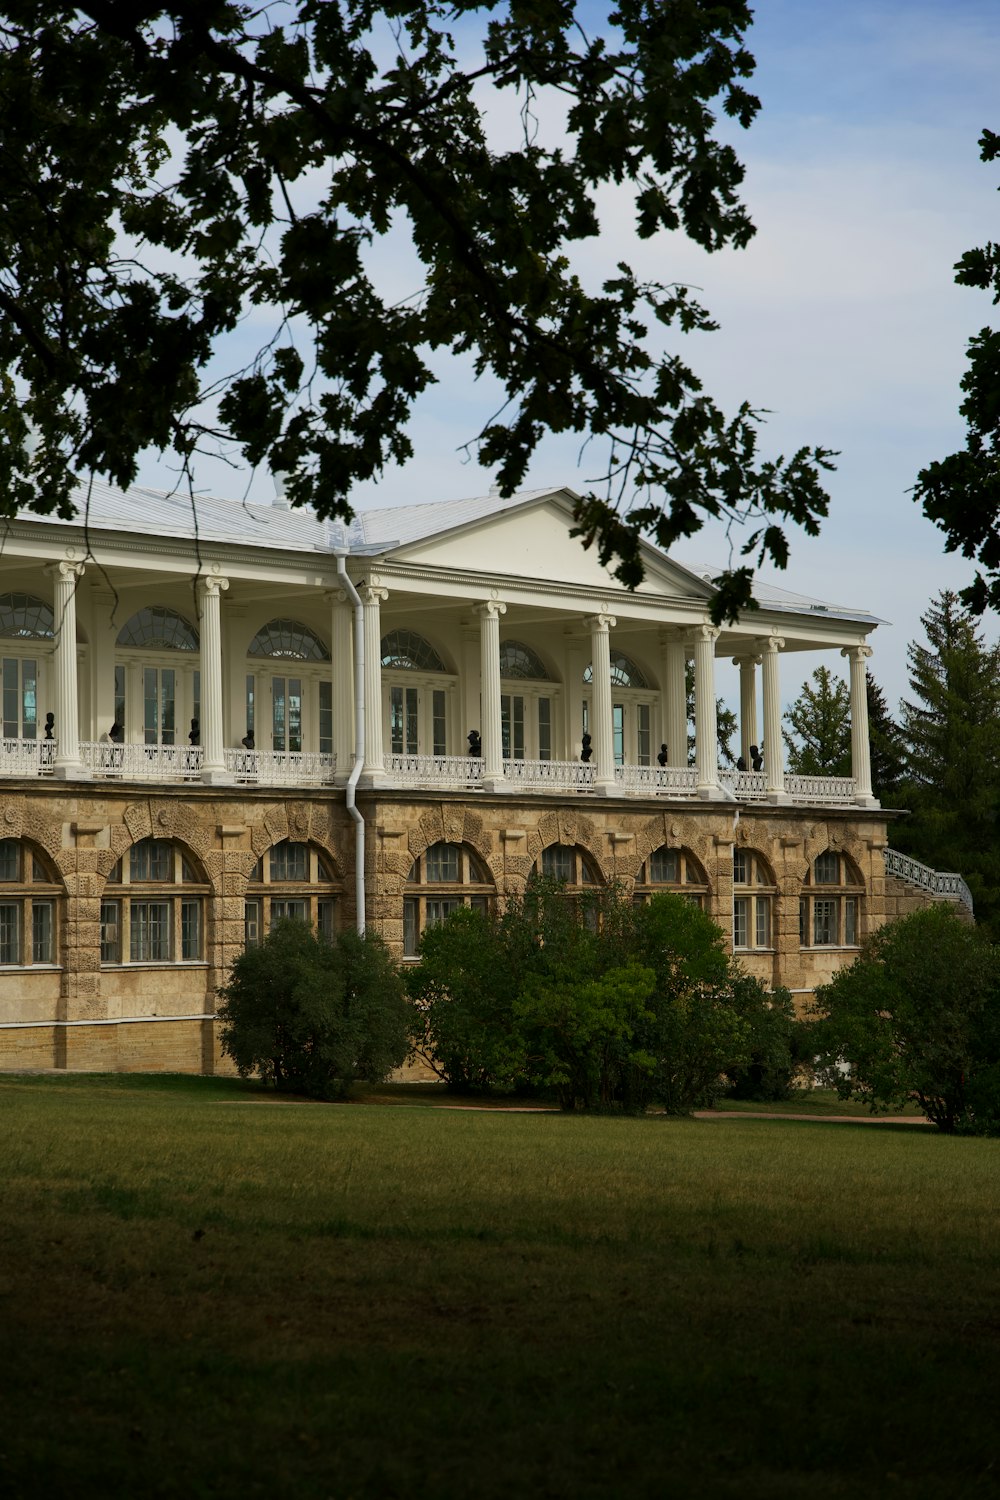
(287, 638)
(24, 617)
(754, 891)
(519, 661)
(161, 918)
(442, 879)
(156, 627)
(407, 651)
(624, 672)
(830, 907)
(29, 893)
(672, 870)
(292, 881)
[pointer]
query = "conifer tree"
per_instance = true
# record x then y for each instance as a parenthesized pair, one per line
(820, 718)
(886, 746)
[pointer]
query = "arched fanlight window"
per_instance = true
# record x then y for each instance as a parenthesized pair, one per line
(153, 907)
(831, 905)
(519, 661)
(754, 894)
(289, 639)
(157, 626)
(24, 617)
(672, 870)
(441, 880)
(292, 881)
(624, 672)
(409, 651)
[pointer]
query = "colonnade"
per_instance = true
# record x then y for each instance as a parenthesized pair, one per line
(676, 644)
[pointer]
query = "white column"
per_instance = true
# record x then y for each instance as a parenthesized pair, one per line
(371, 598)
(342, 668)
(748, 704)
(213, 763)
(67, 763)
(706, 729)
(773, 747)
(861, 756)
(675, 701)
(491, 728)
(601, 722)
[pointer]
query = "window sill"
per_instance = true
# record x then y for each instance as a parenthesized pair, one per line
(162, 963)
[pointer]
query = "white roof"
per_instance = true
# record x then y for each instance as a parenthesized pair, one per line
(209, 519)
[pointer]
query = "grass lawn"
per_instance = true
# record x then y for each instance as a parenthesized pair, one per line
(206, 1291)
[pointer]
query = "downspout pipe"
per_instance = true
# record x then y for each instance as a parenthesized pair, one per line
(359, 738)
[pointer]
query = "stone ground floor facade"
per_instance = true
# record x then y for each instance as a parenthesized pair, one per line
(121, 910)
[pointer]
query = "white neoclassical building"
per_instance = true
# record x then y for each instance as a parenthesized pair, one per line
(217, 715)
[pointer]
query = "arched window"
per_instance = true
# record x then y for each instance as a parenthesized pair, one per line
(830, 908)
(29, 896)
(153, 910)
(288, 638)
(169, 692)
(624, 672)
(289, 708)
(292, 881)
(160, 629)
(443, 878)
(526, 716)
(406, 651)
(25, 618)
(672, 870)
(417, 712)
(754, 891)
(519, 661)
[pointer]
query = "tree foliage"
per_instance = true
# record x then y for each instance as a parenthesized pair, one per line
(951, 728)
(604, 1006)
(172, 170)
(886, 747)
(917, 1018)
(961, 493)
(820, 720)
(310, 1016)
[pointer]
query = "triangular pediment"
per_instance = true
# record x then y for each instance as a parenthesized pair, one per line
(532, 541)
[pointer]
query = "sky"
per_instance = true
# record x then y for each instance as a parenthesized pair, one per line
(841, 319)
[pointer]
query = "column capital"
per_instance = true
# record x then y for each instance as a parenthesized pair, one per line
(490, 607)
(67, 569)
(857, 653)
(748, 659)
(212, 583)
(602, 622)
(769, 643)
(372, 593)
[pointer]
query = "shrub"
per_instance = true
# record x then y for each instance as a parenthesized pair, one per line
(917, 1017)
(775, 1041)
(311, 1016)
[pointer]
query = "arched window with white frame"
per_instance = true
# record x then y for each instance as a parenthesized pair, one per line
(830, 908)
(289, 689)
(754, 895)
(153, 909)
(633, 702)
(417, 696)
(295, 882)
(675, 870)
(528, 699)
(30, 901)
(157, 677)
(444, 878)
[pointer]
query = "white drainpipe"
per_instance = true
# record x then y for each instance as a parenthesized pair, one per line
(359, 738)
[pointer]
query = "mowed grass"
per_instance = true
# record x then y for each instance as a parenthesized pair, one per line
(205, 1291)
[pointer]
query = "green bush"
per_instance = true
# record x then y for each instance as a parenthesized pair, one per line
(917, 1018)
(776, 1041)
(311, 1016)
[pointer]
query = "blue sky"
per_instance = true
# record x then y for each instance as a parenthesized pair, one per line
(841, 318)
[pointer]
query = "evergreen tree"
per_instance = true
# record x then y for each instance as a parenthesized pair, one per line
(820, 717)
(886, 746)
(951, 729)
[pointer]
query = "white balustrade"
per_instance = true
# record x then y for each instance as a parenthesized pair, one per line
(550, 775)
(280, 767)
(745, 786)
(671, 781)
(823, 790)
(27, 757)
(933, 881)
(456, 771)
(143, 762)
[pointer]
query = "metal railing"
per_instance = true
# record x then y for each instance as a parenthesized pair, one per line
(820, 789)
(26, 757)
(550, 775)
(949, 886)
(280, 767)
(446, 771)
(671, 781)
(142, 762)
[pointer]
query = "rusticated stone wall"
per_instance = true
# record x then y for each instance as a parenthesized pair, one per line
(160, 1018)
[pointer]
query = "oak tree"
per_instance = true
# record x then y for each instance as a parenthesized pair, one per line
(179, 179)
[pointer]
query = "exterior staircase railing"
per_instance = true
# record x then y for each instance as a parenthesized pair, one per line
(947, 886)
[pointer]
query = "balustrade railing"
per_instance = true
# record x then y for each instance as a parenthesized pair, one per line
(822, 789)
(933, 881)
(744, 786)
(26, 757)
(671, 781)
(550, 775)
(280, 767)
(445, 771)
(143, 762)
